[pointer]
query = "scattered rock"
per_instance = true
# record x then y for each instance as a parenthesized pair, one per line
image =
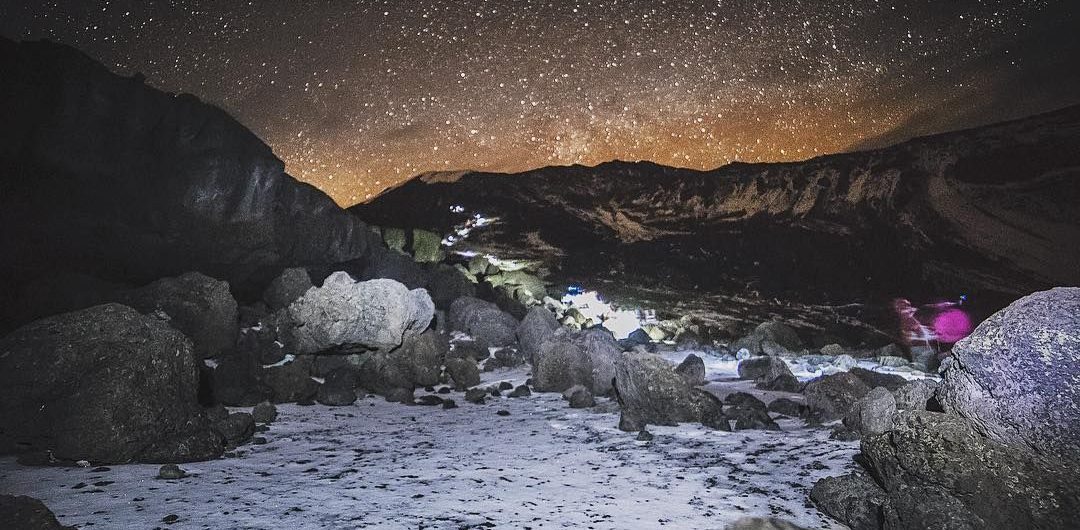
(830, 397)
(237, 428)
(291, 381)
(449, 404)
(917, 395)
(502, 412)
(339, 388)
(504, 385)
(854, 499)
(692, 369)
(876, 379)
(264, 413)
(748, 412)
(763, 368)
(788, 407)
(483, 321)
(399, 395)
(579, 397)
(201, 307)
(429, 400)
(644, 436)
(287, 288)
(782, 383)
(560, 364)
(537, 326)
(171, 472)
(768, 338)
(476, 395)
(872, 414)
(651, 393)
(375, 314)
(104, 384)
(27, 513)
(420, 357)
(763, 523)
(464, 373)
(833, 350)
(520, 391)
(1016, 376)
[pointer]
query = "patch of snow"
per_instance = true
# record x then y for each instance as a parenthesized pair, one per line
(285, 360)
(385, 465)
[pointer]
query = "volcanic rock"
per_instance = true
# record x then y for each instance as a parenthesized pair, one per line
(830, 397)
(376, 314)
(1016, 376)
(289, 286)
(28, 513)
(104, 384)
(692, 368)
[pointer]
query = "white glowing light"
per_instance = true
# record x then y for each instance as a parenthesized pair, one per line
(621, 322)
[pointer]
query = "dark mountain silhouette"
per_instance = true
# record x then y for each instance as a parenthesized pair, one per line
(988, 212)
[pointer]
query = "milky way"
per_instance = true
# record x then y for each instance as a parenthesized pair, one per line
(357, 96)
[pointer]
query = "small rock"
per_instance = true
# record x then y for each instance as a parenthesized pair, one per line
(832, 349)
(400, 395)
(449, 404)
(845, 362)
(505, 386)
(171, 472)
(644, 436)
(581, 398)
(520, 391)
(476, 395)
(464, 372)
(429, 401)
(264, 412)
(259, 440)
(503, 412)
(787, 407)
(692, 369)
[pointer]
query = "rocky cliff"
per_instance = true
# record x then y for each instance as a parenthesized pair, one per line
(103, 175)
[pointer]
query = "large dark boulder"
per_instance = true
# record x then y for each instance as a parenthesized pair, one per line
(483, 321)
(27, 513)
(537, 326)
(650, 392)
(938, 471)
(106, 176)
(1017, 377)
(854, 499)
(830, 397)
(200, 306)
(105, 384)
(291, 284)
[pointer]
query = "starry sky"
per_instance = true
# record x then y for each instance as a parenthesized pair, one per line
(357, 96)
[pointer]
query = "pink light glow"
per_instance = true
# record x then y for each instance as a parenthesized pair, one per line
(952, 325)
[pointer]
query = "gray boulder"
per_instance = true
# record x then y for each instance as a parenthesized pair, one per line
(1017, 376)
(601, 349)
(764, 368)
(28, 513)
(692, 368)
(938, 471)
(483, 321)
(288, 287)
(762, 523)
(875, 379)
(917, 395)
(561, 363)
(830, 397)
(421, 357)
(198, 305)
(375, 314)
(579, 397)
(237, 428)
(748, 412)
(291, 382)
(651, 393)
(264, 412)
(339, 388)
(787, 407)
(105, 384)
(464, 373)
(770, 338)
(873, 414)
(537, 326)
(854, 499)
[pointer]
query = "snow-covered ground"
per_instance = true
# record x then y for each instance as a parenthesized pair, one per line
(383, 465)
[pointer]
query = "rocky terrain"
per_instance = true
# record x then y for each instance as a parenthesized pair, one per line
(984, 212)
(331, 373)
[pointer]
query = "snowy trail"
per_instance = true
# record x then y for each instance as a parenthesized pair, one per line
(383, 465)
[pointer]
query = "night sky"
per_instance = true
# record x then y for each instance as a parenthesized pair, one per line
(356, 96)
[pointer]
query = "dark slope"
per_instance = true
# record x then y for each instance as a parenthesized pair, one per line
(102, 175)
(990, 212)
